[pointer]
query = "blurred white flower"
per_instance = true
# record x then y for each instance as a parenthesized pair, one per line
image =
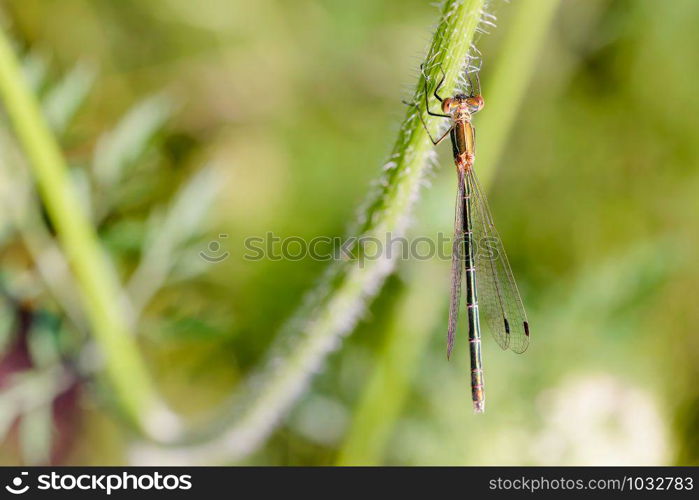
(600, 420)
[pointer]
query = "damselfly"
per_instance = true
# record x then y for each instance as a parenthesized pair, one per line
(477, 250)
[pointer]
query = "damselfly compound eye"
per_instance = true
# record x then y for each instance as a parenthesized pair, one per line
(446, 104)
(475, 104)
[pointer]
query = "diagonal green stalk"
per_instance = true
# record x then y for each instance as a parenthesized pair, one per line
(388, 387)
(99, 288)
(335, 306)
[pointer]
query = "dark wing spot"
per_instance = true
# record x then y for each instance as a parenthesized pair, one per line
(507, 326)
(526, 328)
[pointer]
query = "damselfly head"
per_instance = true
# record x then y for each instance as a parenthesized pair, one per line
(462, 104)
(454, 104)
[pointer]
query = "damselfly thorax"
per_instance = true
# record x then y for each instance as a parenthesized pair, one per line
(463, 137)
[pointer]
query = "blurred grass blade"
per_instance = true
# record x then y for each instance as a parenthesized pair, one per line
(35, 429)
(42, 341)
(122, 146)
(19, 204)
(512, 73)
(80, 181)
(7, 323)
(183, 220)
(34, 69)
(64, 99)
(97, 281)
(30, 390)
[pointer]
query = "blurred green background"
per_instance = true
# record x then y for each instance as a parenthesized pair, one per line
(200, 124)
